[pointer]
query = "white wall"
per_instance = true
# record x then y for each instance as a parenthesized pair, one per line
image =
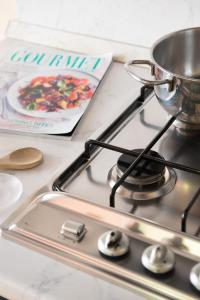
(7, 12)
(139, 22)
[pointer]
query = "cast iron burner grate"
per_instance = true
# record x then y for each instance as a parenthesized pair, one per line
(146, 172)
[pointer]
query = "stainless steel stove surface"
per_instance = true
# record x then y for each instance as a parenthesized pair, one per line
(139, 243)
(92, 183)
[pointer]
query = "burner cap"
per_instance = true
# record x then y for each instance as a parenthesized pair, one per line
(149, 180)
(146, 172)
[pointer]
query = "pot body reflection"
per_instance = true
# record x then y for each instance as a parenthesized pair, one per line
(175, 65)
(183, 98)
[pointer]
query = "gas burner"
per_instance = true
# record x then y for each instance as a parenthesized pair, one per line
(146, 172)
(149, 180)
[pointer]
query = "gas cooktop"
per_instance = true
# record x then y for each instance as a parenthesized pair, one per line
(128, 208)
(160, 192)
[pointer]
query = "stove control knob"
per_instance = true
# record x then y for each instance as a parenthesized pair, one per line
(113, 243)
(195, 276)
(158, 259)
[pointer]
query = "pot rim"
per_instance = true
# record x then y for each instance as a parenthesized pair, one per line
(166, 36)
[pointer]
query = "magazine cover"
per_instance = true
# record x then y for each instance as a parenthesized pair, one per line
(46, 90)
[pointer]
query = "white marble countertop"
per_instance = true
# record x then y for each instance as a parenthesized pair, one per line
(25, 274)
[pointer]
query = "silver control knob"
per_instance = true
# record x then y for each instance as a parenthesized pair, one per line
(113, 243)
(158, 259)
(195, 276)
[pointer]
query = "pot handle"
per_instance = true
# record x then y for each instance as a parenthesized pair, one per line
(146, 81)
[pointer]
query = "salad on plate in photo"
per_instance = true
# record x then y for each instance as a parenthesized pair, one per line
(53, 94)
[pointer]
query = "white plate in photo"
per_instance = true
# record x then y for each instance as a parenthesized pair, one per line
(50, 94)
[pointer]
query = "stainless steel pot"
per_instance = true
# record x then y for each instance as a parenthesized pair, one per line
(175, 64)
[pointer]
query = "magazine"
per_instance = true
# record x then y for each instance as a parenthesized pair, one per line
(46, 90)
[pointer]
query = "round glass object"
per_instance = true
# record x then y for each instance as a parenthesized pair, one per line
(10, 190)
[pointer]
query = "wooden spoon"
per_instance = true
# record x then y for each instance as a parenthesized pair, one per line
(24, 158)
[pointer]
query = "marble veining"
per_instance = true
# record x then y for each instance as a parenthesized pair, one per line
(45, 283)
